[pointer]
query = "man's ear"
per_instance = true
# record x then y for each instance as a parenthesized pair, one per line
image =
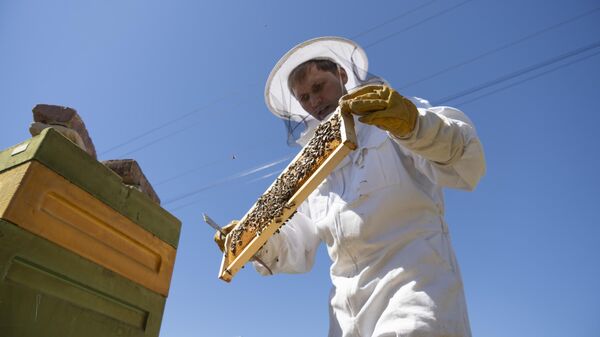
(343, 75)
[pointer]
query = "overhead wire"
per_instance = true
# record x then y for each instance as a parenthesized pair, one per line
(228, 179)
(445, 11)
(171, 134)
(164, 125)
(517, 73)
(505, 46)
(500, 48)
(455, 66)
(427, 19)
(446, 99)
(583, 58)
(230, 157)
(170, 122)
(395, 18)
(188, 172)
(185, 115)
(268, 175)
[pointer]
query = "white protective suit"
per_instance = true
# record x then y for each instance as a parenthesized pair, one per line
(381, 215)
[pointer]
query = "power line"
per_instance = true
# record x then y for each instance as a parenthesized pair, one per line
(165, 124)
(228, 179)
(392, 20)
(177, 176)
(497, 49)
(172, 121)
(169, 135)
(418, 23)
(482, 86)
(522, 71)
(463, 93)
(466, 92)
(528, 78)
(517, 73)
(205, 165)
(264, 176)
(226, 157)
(369, 45)
(188, 114)
(247, 182)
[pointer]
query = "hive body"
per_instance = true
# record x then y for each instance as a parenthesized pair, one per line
(81, 253)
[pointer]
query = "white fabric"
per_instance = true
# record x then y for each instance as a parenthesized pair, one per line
(381, 215)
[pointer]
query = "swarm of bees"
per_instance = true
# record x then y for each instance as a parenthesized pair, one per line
(272, 203)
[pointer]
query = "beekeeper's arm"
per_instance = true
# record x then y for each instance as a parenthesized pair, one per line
(442, 140)
(292, 250)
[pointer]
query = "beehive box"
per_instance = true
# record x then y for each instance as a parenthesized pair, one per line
(332, 141)
(86, 251)
(49, 291)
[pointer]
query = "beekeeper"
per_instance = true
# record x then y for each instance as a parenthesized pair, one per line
(381, 211)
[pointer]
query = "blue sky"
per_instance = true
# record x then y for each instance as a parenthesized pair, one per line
(178, 86)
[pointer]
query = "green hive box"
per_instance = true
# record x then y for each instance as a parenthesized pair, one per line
(81, 254)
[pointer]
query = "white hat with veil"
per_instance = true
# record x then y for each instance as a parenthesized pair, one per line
(280, 100)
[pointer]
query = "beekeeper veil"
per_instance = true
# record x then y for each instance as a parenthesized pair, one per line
(347, 54)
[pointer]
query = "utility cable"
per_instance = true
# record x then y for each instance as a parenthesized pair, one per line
(521, 71)
(188, 172)
(517, 73)
(268, 175)
(500, 48)
(228, 179)
(171, 134)
(528, 79)
(466, 92)
(445, 11)
(172, 121)
(411, 11)
(505, 46)
(168, 123)
(205, 165)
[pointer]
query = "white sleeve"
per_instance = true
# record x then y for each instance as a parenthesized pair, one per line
(293, 249)
(446, 148)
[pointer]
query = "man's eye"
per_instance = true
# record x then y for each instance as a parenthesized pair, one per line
(303, 98)
(317, 87)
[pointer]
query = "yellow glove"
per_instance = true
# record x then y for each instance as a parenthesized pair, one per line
(383, 107)
(221, 236)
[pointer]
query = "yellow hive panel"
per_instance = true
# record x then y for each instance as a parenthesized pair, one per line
(46, 204)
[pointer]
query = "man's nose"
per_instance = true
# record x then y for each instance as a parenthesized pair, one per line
(315, 101)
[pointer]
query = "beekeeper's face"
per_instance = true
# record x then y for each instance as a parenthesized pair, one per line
(318, 91)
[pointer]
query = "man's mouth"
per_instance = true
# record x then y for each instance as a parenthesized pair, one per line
(324, 112)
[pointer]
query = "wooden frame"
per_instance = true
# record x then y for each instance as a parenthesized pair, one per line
(232, 263)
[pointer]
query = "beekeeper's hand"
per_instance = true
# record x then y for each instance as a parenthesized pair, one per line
(220, 236)
(383, 107)
(36, 128)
